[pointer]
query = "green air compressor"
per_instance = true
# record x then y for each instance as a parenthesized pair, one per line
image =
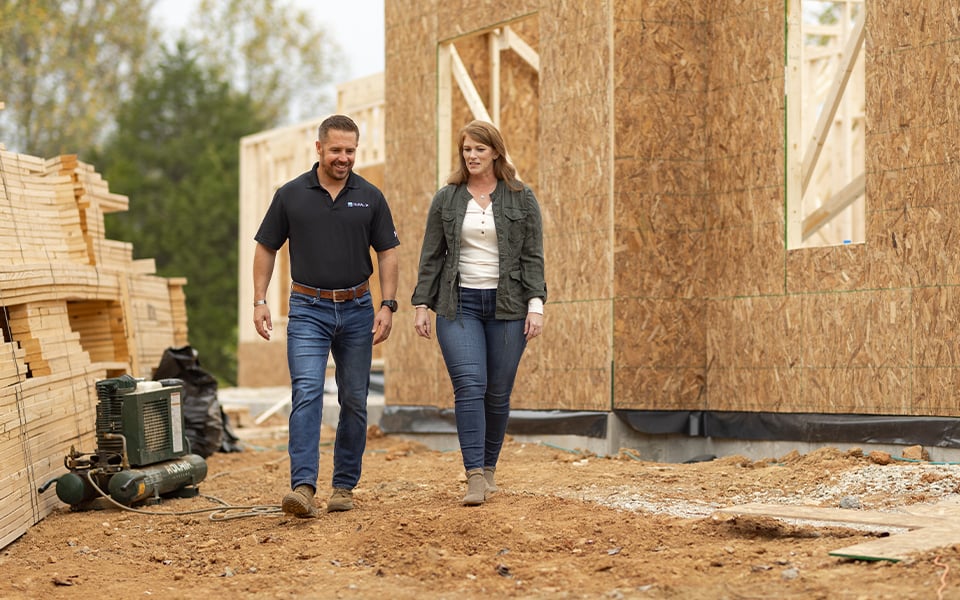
(142, 451)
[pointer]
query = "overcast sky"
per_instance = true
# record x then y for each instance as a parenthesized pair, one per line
(357, 26)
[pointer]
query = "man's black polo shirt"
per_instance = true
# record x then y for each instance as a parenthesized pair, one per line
(329, 241)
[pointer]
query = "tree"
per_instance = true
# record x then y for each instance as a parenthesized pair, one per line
(271, 50)
(64, 67)
(175, 155)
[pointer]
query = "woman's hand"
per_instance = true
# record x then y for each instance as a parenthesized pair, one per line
(533, 326)
(421, 322)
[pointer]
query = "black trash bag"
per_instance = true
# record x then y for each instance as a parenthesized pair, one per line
(202, 415)
(230, 442)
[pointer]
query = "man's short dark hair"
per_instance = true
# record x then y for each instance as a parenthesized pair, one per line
(338, 122)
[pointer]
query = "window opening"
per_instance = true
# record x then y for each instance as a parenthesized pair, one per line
(825, 99)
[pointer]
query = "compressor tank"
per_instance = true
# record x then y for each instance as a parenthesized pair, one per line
(129, 486)
(74, 489)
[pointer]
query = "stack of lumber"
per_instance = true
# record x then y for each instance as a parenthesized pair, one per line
(75, 308)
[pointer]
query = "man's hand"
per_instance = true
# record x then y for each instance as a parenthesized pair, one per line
(262, 321)
(382, 325)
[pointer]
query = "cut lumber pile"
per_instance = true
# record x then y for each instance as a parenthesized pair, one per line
(75, 308)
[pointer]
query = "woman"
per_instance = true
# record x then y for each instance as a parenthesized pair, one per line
(481, 271)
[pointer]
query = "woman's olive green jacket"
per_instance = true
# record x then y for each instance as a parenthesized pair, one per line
(516, 215)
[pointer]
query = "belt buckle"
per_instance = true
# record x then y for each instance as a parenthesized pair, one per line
(336, 295)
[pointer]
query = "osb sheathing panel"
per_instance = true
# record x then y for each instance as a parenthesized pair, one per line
(917, 146)
(920, 186)
(658, 265)
(418, 382)
(578, 260)
(455, 19)
(659, 333)
(658, 388)
(760, 205)
(933, 253)
(575, 155)
(672, 54)
(660, 124)
(933, 391)
(881, 336)
(265, 365)
(936, 358)
(659, 134)
(875, 389)
(746, 46)
(662, 10)
(673, 179)
(572, 371)
(746, 171)
(934, 328)
(833, 268)
(659, 351)
(577, 355)
(762, 389)
(745, 261)
(573, 202)
(752, 343)
(412, 364)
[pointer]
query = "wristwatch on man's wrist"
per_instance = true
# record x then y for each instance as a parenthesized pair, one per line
(391, 304)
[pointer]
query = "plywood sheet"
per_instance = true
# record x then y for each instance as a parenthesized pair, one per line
(931, 526)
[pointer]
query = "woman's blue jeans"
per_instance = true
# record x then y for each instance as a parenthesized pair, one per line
(316, 328)
(482, 355)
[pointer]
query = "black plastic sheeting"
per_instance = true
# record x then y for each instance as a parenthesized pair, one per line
(425, 419)
(941, 432)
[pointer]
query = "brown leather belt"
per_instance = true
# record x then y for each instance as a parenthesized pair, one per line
(335, 295)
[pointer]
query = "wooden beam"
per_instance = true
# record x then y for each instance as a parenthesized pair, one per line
(444, 113)
(834, 205)
(494, 45)
(470, 93)
(849, 58)
(523, 49)
(794, 125)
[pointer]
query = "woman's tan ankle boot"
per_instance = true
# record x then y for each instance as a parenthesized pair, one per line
(476, 488)
(488, 475)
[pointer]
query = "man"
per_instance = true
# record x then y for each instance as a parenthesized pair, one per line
(331, 217)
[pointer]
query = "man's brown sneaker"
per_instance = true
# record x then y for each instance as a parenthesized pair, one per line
(299, 503)
(340, 500)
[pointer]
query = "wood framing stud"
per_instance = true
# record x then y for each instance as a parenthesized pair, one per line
(834, 96)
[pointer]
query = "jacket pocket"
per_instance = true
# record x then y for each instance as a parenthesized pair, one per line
(515, 221)
(449, 219)
(513, 300)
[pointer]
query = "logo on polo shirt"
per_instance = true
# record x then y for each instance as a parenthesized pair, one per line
(358, 204)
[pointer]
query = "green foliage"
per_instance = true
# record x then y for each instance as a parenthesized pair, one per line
(272, 50)
(175, 155)
(64, 67)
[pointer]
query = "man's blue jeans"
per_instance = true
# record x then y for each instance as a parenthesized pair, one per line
(482, 355)
(315, 328)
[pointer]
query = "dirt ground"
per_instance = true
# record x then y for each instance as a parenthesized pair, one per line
(566, 524)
